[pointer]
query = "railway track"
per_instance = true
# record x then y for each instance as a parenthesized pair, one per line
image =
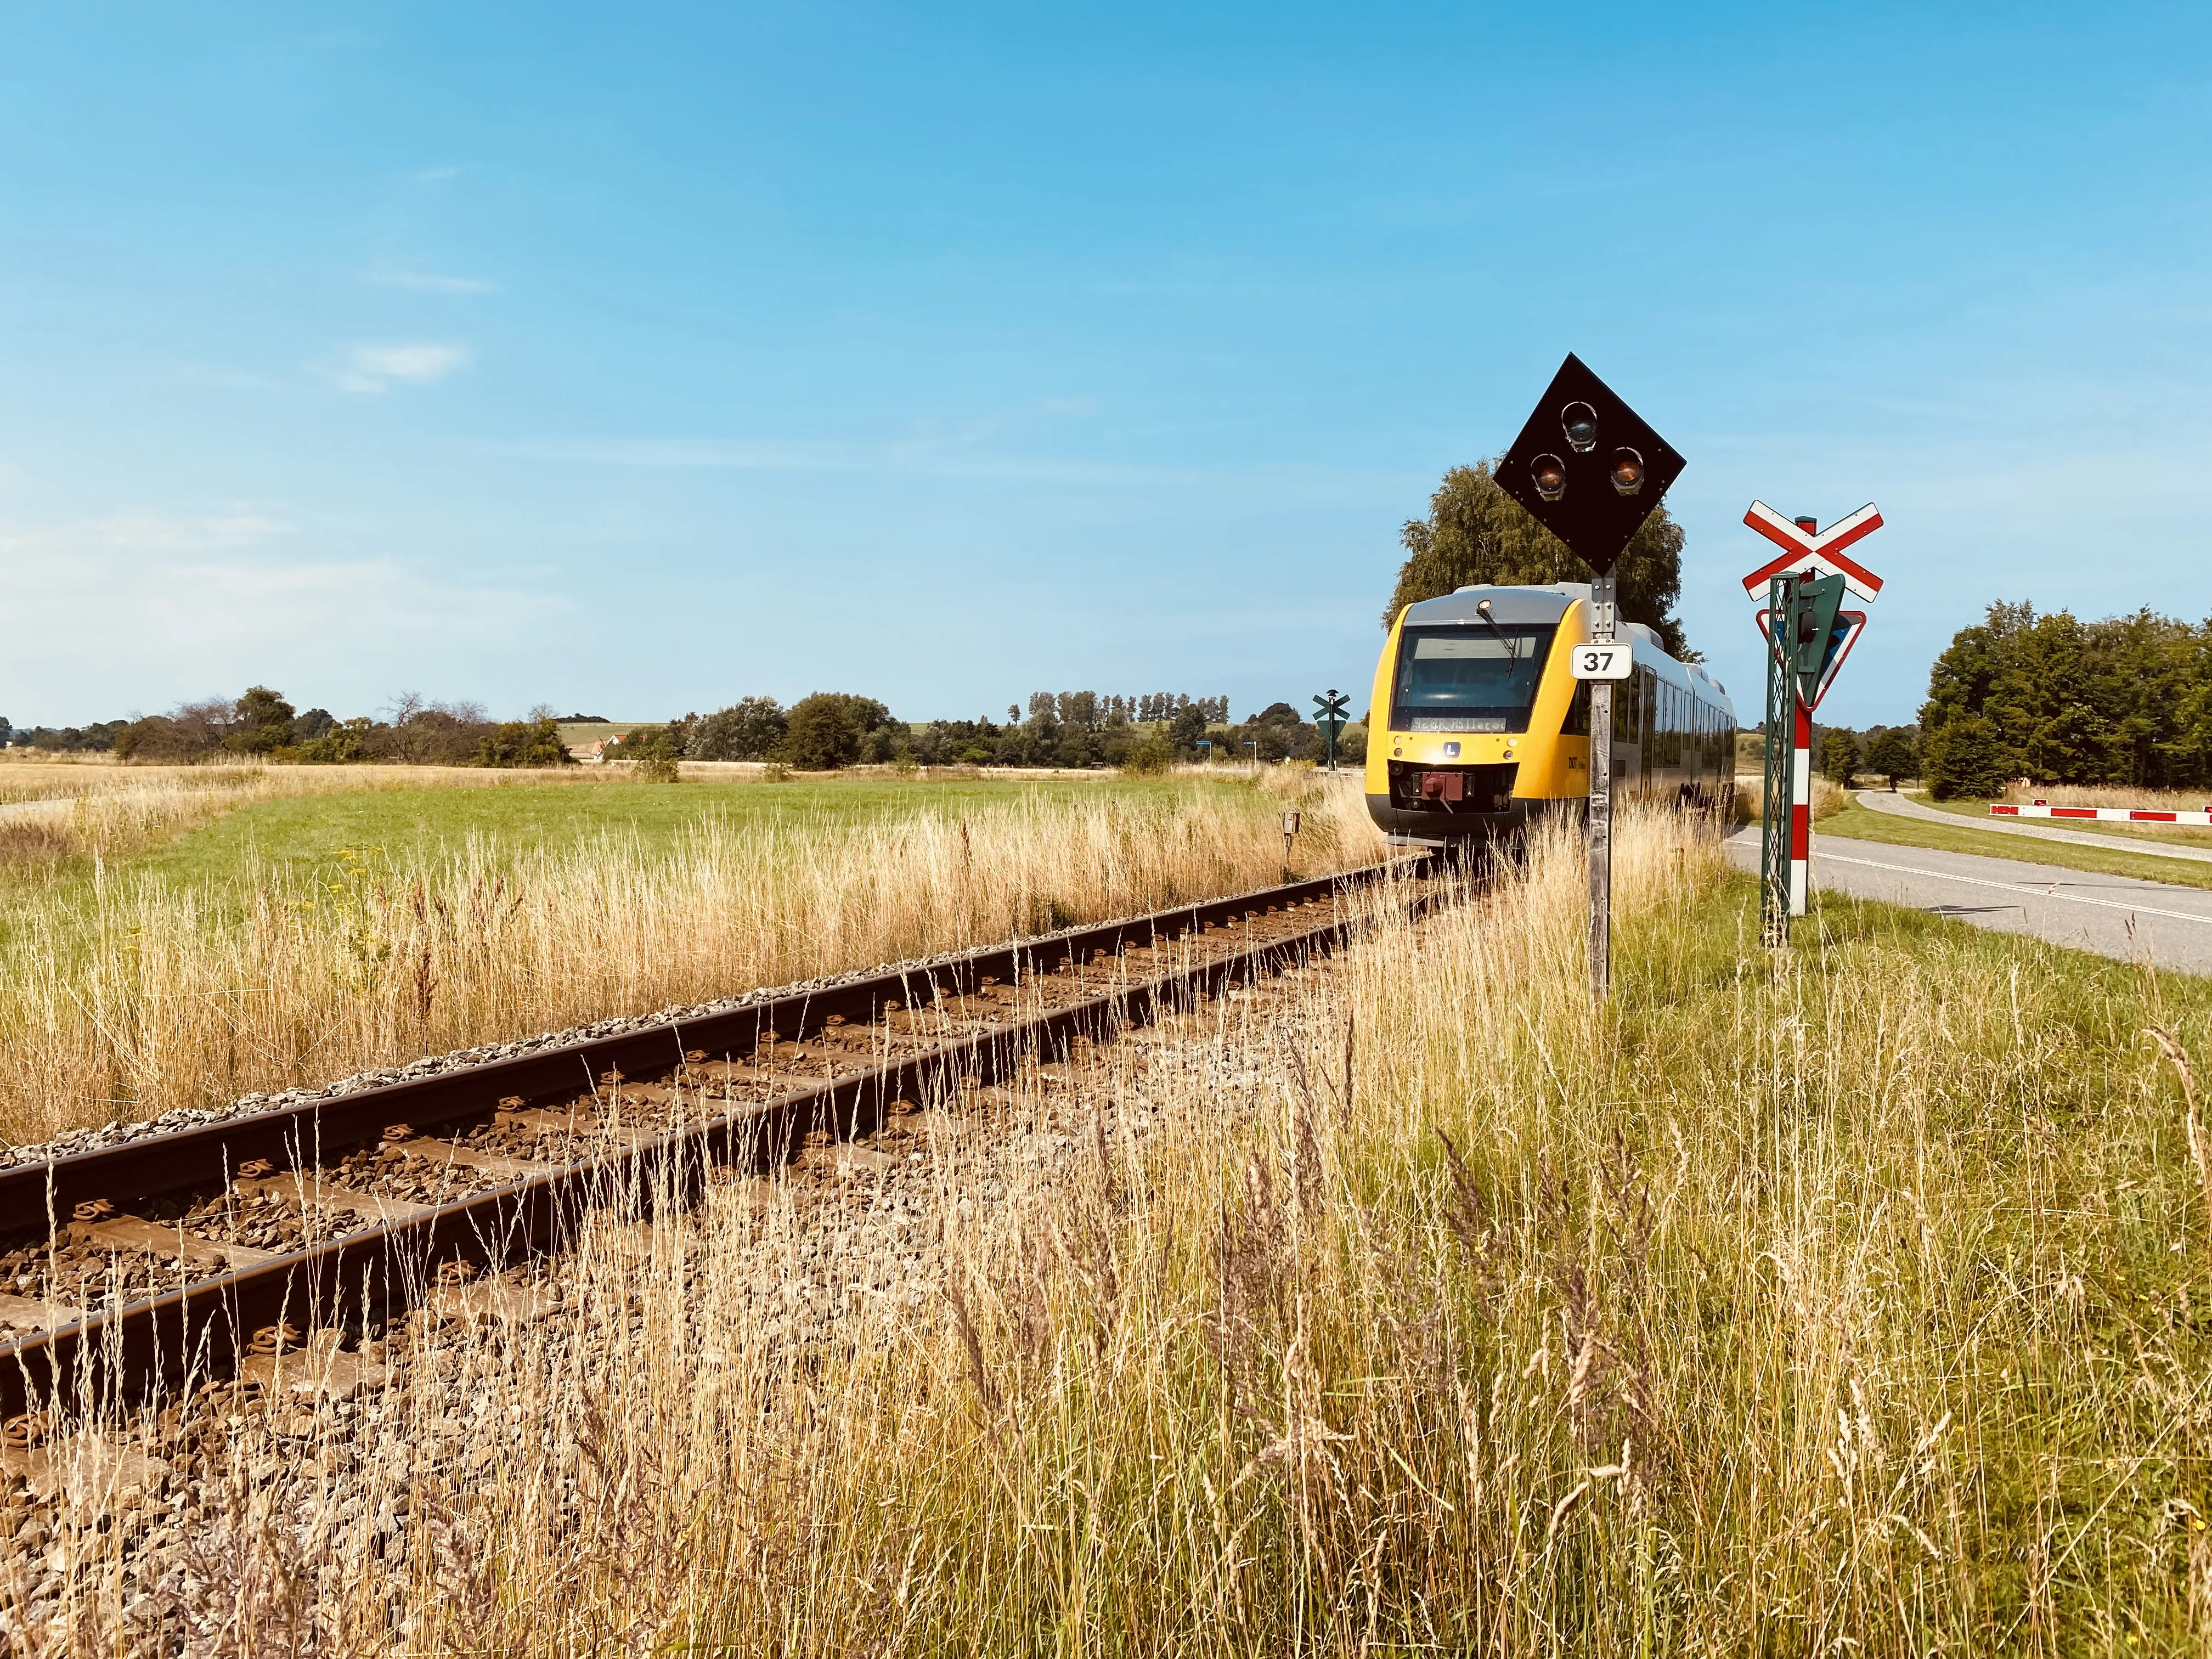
(130, 1273)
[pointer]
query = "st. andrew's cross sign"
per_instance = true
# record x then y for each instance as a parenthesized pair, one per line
(1817, 553)
(1590, 469)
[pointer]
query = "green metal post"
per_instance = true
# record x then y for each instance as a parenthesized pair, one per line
(1781, 726)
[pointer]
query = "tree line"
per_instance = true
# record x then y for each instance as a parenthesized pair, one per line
(2047, 699)
(825, 732)
(2124, 701)
(261, 724)
(831, 729)
(1841, 755)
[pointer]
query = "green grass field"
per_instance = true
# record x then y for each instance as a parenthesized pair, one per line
(1859, 823)
(519, 820)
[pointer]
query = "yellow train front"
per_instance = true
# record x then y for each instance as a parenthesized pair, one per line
(1479, 727)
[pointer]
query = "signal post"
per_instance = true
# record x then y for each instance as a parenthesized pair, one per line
(1330, 714)
(1809, 635)
(1591, 470)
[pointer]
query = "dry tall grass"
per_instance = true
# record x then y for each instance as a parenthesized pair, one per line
(1829, 797)
(1853, 1302)
(149, 998)
(2070, 794)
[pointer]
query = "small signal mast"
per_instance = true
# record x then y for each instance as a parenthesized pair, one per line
(1331, 713)
(1809, 635)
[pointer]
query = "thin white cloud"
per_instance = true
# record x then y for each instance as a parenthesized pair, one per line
(429, 282)
(141, 532)
(374, 367)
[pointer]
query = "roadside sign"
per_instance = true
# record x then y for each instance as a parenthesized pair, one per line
(1842, 637)
(1821, 553)
(1601, 662)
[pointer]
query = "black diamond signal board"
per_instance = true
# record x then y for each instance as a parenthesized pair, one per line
(1588, 467)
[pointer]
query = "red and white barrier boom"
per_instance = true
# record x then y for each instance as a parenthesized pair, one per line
(2108, 814)
(1809, 635)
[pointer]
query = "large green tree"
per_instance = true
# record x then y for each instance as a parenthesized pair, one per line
(1891, 755)
(262, 721)
(749, 729)
(2124, 701)
(831, 729)
(1476, 533)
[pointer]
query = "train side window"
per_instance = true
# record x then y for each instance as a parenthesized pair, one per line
(1576, 725)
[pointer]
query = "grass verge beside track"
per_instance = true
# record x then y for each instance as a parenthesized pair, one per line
(1857, 823)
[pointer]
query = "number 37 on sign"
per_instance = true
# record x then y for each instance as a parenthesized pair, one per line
(1602, 662)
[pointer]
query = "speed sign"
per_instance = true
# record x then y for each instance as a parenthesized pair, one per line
(1610, 661)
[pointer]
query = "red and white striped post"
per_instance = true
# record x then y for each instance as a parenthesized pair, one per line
(1800, 811)
(1801, 788)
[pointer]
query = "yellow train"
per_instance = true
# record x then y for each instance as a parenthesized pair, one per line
(1478, 727)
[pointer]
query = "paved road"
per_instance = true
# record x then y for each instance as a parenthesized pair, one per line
(1902, 806)
(2113, 916)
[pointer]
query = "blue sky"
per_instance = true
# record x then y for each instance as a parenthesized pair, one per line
(638, 358)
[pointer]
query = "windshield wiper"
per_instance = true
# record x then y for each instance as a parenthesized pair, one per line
(1512, 642)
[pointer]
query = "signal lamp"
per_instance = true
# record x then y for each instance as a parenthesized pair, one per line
(1579, 422)
(1627, 472)
(1551, 475)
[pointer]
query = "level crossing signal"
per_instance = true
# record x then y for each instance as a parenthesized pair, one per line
(1816, 552)
(1591, 470)
(1809, 635)
(1330, 714)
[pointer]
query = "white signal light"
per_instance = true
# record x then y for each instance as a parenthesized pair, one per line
(1579, 422)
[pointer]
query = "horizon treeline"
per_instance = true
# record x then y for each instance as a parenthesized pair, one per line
(2053, 700)
(824, 731)
(262, 725)
(1077, 729)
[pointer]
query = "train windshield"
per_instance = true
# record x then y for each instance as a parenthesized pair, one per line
(1468, 679)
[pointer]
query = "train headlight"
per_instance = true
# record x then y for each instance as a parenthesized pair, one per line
(1579, 422)
(1550, 473)
(1627, 473)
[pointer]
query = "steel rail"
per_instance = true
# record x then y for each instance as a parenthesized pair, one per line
(136, 1352)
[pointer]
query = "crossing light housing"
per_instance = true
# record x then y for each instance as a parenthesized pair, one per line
(1592, 496)
(1579, 422)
